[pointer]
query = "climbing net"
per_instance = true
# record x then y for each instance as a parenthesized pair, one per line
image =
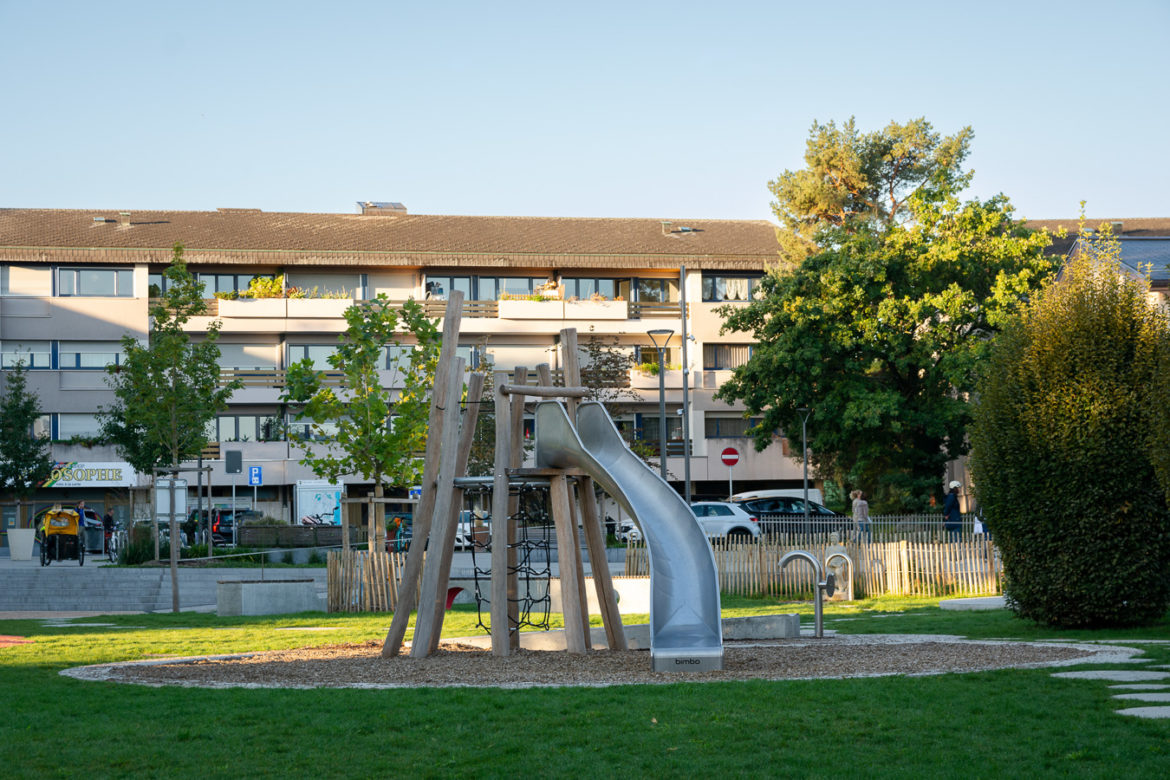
(531, 555)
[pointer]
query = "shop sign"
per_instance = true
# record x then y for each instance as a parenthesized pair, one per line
(90, 474)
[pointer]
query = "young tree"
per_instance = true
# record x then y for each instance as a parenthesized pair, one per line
(363, 428)
(854, 180)
(879, 334)
(1065, 448)
(168, 389)
(24, 458)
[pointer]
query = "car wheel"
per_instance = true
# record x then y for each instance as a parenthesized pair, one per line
(739, 535)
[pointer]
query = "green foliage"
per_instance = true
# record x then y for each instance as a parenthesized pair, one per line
(166, 391)
(1063, 458)
(879, 334)
(356, 418)
(24, 458)
(265, 287)
(854, 180)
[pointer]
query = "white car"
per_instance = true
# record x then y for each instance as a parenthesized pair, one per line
(719, 518)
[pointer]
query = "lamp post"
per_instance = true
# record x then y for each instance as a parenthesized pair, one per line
(804, 456)
(664, 334)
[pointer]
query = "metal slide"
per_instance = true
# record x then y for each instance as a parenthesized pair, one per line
(685, 628)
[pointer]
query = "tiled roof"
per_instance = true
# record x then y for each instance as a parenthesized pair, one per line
(428, 239)
(1130, 228)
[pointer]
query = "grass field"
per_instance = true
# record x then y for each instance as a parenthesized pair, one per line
(1013, 723)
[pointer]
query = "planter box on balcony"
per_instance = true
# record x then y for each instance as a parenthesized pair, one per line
(532, 310)
(318, 307)
(253, 307)
(597, 310)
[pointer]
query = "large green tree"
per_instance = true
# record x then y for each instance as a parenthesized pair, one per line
(1063, 460)
(854, 180)
(878, 332)
(24, 458)
(357, 426)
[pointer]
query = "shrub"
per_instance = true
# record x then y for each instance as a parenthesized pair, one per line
(1062, 458)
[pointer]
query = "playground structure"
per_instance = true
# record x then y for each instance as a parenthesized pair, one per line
(577, 446)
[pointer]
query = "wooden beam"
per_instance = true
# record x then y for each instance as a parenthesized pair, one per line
(570, 590)
(433, 591)
(421, 524)
(611, 617)
(515, 460)
(501, 645)
(475, 384)
(541, 391)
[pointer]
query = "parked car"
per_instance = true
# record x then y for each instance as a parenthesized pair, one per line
(719, 518)
(785, 514)
(223, 520)
(814, 494)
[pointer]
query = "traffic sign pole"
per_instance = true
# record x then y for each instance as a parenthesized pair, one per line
(729, 456)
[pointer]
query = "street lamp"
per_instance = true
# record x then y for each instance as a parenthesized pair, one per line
(804, 456)
(664, 334)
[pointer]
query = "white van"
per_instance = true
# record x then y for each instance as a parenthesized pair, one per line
(814, 494)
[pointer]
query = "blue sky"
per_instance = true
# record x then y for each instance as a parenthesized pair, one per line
(553, 109)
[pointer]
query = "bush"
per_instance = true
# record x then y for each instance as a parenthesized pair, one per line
(1062, 456)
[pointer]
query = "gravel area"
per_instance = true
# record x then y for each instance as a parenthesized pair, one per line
(361, 665)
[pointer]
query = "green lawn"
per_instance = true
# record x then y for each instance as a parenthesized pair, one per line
(989, 724)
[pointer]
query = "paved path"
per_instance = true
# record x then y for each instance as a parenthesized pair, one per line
(1133, 685)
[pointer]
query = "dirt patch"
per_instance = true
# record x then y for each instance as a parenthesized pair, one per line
(8, 641)
(361, 665)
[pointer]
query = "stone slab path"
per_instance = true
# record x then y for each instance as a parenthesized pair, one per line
(1132, 679)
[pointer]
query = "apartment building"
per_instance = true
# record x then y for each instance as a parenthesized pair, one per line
(73, 282)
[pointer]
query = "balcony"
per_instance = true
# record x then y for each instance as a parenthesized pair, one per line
(271, 377)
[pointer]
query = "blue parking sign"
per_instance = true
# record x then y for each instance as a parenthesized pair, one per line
(255, 475)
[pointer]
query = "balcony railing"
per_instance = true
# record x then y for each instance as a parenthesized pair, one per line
(271, 377)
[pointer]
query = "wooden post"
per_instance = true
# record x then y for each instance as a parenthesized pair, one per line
(421, 525)
(578, 563)
(462, 454)
(432, 592)
(501, 520)
(570, 589)
(572, 376)
(515, 460)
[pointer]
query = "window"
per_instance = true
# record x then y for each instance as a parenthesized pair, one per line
(730, 287)
(34, 354)
(585, 288)
(490, 288)
(244, 427)
(42, 427)
(656, 290)
(650, 427)
(25, 280)
(398, 358)
(728, 427)
(89, 354)
(317, 353)
(81, 426)
(670, 356)
(321, 284)
(439, 287)
(311, 432)
(721, 357)
(226, 283)
(95, 282)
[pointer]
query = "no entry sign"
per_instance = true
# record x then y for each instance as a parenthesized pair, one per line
(730, 456)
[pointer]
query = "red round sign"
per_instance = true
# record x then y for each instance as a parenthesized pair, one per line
(730, 456)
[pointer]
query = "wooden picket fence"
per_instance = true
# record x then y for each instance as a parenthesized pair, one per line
(361, 581)
(905, 568)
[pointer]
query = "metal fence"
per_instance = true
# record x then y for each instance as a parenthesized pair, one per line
(884, 528)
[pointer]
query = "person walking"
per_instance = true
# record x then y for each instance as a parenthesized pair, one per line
(860, 515)
(952, 517)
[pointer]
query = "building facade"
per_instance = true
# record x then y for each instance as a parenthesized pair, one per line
(73, 282)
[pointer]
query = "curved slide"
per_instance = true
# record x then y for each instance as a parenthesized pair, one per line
(685, 628)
